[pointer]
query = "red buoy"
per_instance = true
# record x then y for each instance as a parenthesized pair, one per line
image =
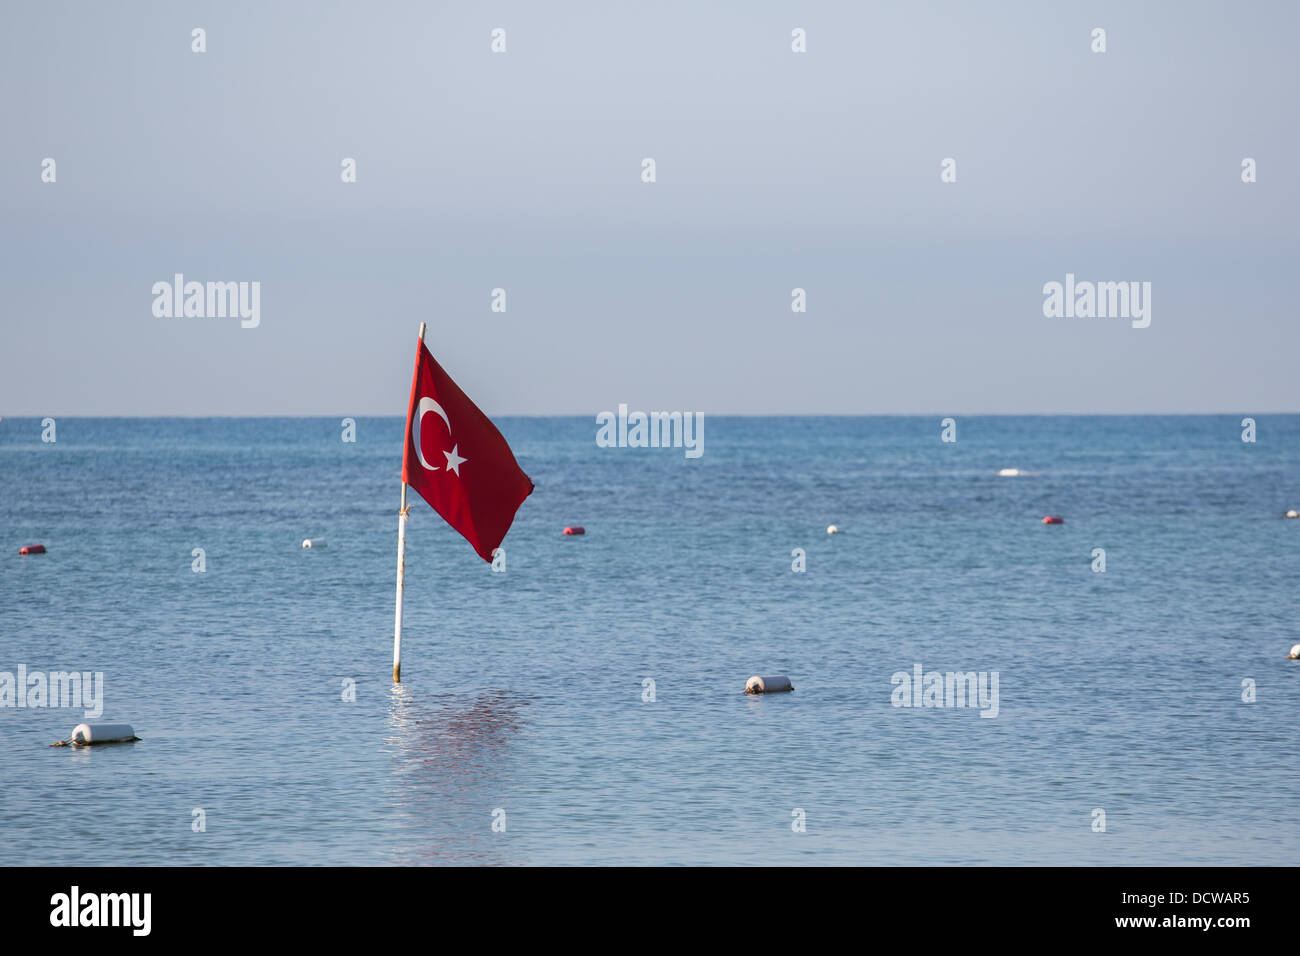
(575, 529)
(1052, 519)
(32, 549)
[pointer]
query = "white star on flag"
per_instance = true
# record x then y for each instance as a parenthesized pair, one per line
(454, 460)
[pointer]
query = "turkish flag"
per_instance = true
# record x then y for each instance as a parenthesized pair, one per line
(457, 460)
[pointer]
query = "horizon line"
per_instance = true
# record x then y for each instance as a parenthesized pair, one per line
(716, 414)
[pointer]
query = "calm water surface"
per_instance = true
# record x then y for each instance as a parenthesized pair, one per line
(523, 691)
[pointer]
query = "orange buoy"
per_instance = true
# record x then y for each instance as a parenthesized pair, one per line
(32, 549)
(1052, 519)
(575, 529)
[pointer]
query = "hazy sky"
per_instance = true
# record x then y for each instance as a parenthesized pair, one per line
(775, 170)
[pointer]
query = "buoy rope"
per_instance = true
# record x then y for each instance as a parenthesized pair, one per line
(86, 743)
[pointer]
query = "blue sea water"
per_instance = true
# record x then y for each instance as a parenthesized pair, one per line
(523, 691)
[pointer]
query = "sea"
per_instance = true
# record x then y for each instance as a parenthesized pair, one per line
(586, 704)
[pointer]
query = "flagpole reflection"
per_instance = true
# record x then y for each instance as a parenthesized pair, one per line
(452, 766)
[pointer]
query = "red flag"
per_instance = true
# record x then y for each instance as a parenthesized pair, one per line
(458, 461)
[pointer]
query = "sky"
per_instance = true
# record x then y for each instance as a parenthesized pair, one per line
(774, 170)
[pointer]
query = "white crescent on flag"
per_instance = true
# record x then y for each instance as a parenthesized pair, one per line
(425, 405)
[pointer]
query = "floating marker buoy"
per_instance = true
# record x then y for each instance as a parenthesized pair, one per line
(1009, 472)
(1295, 653)
(767, 685)
(575, 529)
(32, 549)
(102, 734)
(1293, 514)
(832, 529)
(1052, 519)
(313, 543)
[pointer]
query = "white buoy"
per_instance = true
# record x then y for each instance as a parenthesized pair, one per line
(1293, 513)
(313, 542)
(1295, 653)
(102, 733)
(1009, 472)
(832, 529)
(767, 685)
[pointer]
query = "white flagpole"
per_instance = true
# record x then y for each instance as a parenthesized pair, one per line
(401, 580)
(401, 564)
